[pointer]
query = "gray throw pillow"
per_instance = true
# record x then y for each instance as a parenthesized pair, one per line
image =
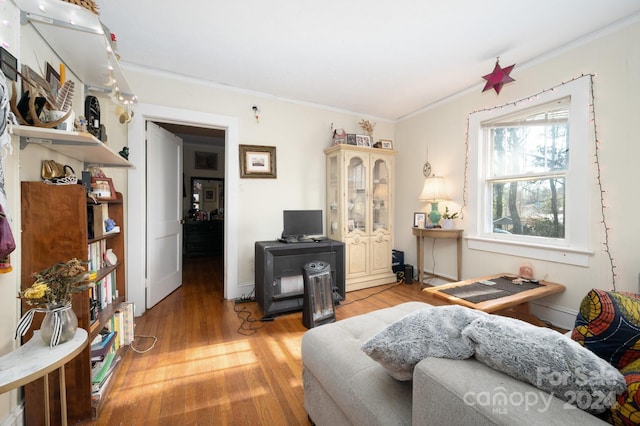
(434, 331)
(546, 359)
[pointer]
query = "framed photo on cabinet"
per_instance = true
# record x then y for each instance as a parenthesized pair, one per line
(419, 219)
(386, 144)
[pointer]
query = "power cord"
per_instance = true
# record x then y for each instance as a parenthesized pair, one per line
(246, 298)
(139, 351)
(246, 327)
(371, 295)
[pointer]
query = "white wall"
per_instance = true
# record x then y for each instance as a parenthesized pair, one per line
(300, 133)
(615, 59)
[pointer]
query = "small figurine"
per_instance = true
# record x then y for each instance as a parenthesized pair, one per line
(80, 124)
(124, 153)
(109, 224)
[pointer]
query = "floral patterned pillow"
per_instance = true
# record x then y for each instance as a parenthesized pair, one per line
(608, 324)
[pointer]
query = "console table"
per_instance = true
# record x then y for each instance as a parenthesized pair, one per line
(36, 359)
(422, 233)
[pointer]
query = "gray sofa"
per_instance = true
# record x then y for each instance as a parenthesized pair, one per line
(343, 386)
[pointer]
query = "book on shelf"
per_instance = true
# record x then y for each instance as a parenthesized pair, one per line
(128, 322)
(98, 390)
(101, 348)
(98, 387)
(104, 291)
(100, 369)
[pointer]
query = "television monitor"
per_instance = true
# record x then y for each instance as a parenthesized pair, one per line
(302, 223)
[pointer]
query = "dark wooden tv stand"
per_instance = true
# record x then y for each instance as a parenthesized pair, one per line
(276, 262)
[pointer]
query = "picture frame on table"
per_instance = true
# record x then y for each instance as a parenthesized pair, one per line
(257, 161)
(419, 219)
(102, 188)
(53, 78)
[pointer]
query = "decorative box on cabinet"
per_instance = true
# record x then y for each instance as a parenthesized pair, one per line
(359, 211)
(54, 229)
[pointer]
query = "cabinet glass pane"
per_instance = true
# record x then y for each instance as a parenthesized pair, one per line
(380, 195)
(332, 197)
(356, 194)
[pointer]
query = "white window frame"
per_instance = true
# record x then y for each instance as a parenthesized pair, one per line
(574, 248)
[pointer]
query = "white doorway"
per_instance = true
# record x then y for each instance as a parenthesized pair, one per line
(137, 280)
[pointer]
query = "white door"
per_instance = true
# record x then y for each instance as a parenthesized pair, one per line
(164, 212)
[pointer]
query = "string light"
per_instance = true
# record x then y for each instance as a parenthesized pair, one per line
(600, 186)
(605, 226)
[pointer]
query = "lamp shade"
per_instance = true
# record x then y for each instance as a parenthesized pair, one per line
(433, 189)
(381, 191)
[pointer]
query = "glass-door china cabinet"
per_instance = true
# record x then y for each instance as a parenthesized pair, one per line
(359, 211)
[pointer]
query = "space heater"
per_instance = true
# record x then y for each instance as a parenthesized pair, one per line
(317, 305)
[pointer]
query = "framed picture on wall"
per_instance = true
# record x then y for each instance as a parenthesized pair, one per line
(206, 160)
(257, 161)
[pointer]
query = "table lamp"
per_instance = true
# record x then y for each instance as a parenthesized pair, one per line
(434, 191)
(381, 192)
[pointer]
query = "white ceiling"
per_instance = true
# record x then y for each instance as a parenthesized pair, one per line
(375, 58)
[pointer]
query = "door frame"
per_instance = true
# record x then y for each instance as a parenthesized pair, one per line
(137, 193)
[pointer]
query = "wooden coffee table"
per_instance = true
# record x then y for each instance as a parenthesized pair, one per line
(514, 305)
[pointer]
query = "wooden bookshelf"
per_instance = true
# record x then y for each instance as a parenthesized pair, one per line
(55, 229)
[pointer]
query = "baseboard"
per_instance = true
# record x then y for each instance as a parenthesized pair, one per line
(15, 418)
(555, 314)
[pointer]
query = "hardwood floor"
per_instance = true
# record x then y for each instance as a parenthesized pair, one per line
(214, 362)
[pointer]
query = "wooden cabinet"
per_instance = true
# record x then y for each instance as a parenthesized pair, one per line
(360, 211)
(203, 238)
(55, 229)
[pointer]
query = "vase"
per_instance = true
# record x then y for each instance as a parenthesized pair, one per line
(447, 223)
(59, 324)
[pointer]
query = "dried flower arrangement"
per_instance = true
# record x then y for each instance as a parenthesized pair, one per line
(55, 285)
(367, 126)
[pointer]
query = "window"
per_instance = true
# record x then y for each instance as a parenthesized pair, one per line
(528, 176)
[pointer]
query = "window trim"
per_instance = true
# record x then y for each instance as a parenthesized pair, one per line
(574, 248)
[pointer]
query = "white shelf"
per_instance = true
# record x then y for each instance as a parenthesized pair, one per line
(80, 40)
(79, 145)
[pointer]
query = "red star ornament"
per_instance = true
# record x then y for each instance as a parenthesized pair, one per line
(498, 77)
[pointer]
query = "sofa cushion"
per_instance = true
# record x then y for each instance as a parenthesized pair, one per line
(608, 324)
(434, 331)
(546, 359)
(359, 386)
(627, 409)
(467, 392)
